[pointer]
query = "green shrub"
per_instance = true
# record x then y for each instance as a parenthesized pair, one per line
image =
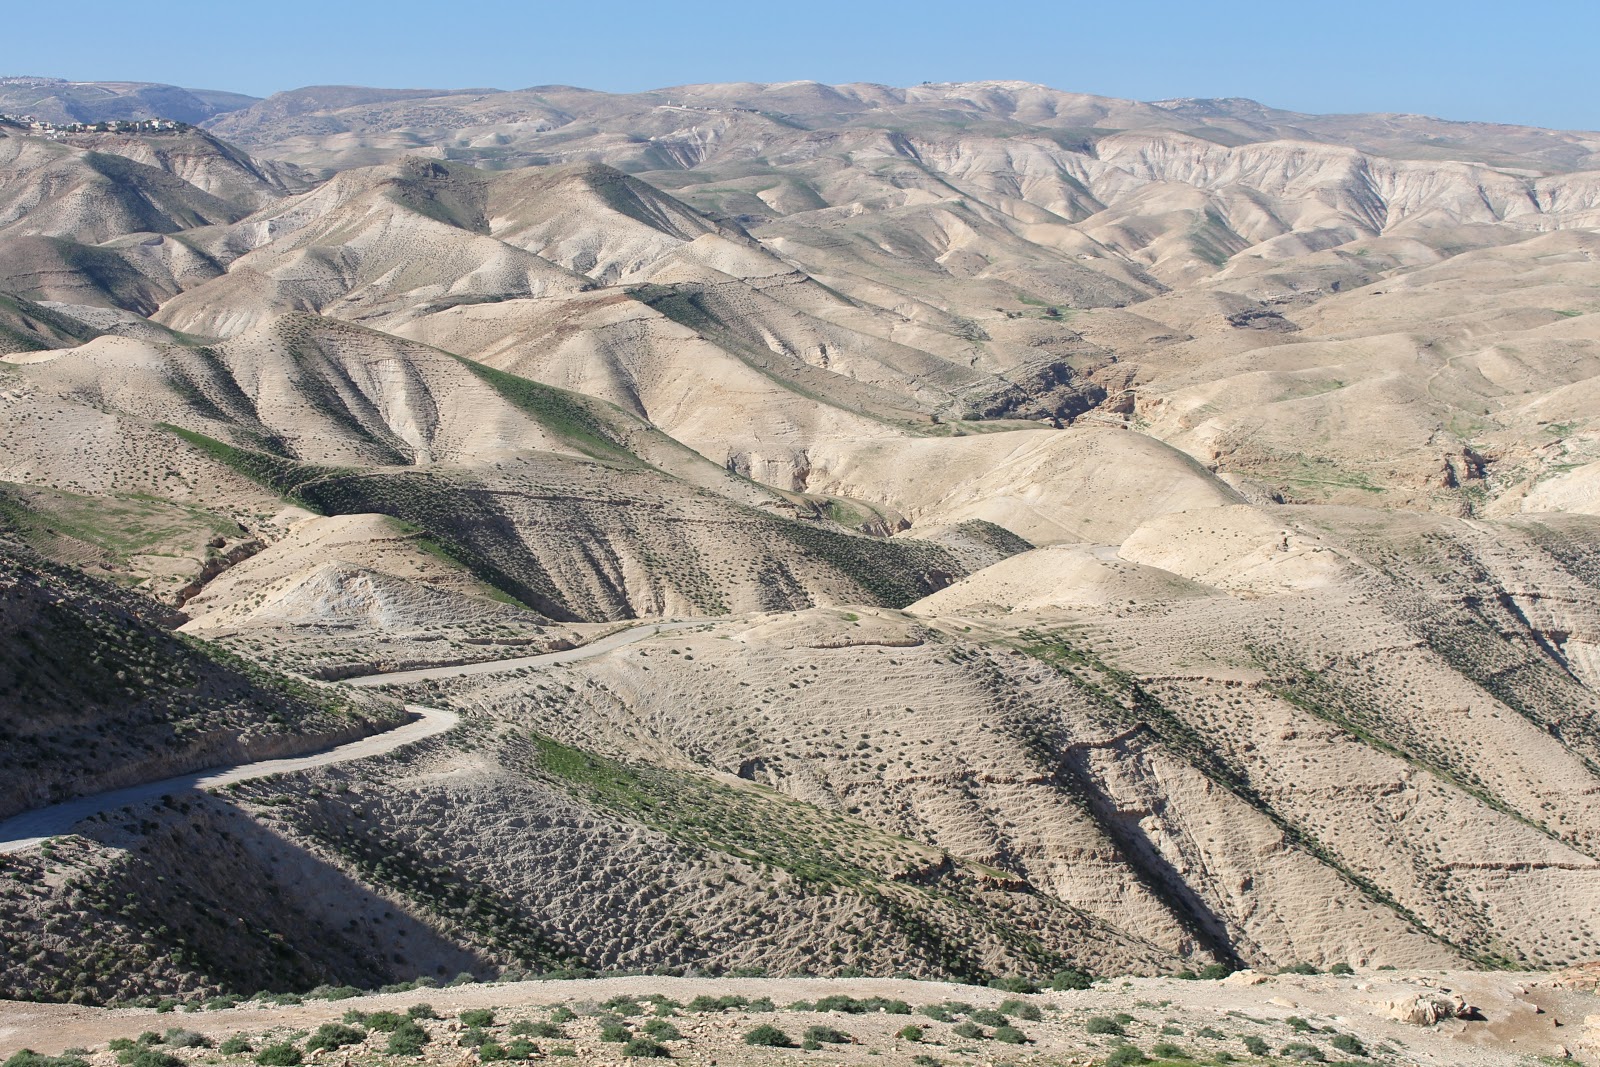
(1255, 1045)
(988, 1017)
(1298, 1025)
(1071, 979)
(644, 1049)
(770, 1036)
(563, 1050)
(1166, 1050)
(1300, 968)
(1009, 1035)
(1341, 968)
(707, 1004)
(615, 1033)
(1103, 1024)
(29, 1058)
(176, 1038)
(827, 1035)
(472, 1037)
(282, 1054)
(1212, 1034)
(477, 1017)
(1014, 985)
(938, 1013)
(335, 1035)
(1021, 1009)
(661, 1030)
(385, 1022)
(520, 1049)
(407, 1039)
(1300, 1050)
(1348, 1043)
(909, 1033)
(422, 1011)
(1126, 1056)
(236, 1045)
(491, 1052)
(563, 1014)
(1214, 972)
(922, 1059)
(625, 1006)
(151, 1058)
(529, 1028)
(969, 1030)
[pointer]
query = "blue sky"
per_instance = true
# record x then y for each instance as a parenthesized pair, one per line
(1495, 62)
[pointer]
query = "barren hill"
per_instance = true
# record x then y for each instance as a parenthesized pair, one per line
(1089, 535)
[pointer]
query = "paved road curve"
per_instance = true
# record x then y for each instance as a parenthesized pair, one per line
(495, 666)
(31, 827)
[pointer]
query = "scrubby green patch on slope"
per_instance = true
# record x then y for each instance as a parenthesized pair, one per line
(74, 528)
(568, 415)
(936, 902)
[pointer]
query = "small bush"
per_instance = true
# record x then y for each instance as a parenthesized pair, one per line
(151, 1058)
(909, 1033)
(1300, 1050)
(644, 1049)
(563, 1014)
(236, 1045)
(1071, 979)
(969, 1029)
(492, 1052)
(1255, 1045)
(703, 1004)
(422, 1011)
(407, 1039)
(385, 1022)
(29, 1058)
(770, 1036)
(1014, 985)
(827, 1035)
(661, 1030)
(472, 1037)
(282, 1054)
(528, 1028)
(1348, 1043)
(477, 1017)
(1021, 1009)
(1208, 1032)
(1010, 1035)
(615, 1033)
(563, 1050)
(988, 1017)
(937, 1012)
(1126, 1056)
(1341, 968)
(1166, 1050)
(186, 1039)
(1103, 1024)
(625, 1006)
(335, 1035)
(1300, 968)
(519, 1049)
(1214, 972)
(462, 979)
(922, 1059)
(1298, 1025)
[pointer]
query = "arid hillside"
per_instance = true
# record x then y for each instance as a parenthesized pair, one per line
(968, 532)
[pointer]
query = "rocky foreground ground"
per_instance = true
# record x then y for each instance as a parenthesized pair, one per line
(1365, 1017)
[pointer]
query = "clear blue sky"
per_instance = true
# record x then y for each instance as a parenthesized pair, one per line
(1467, 59)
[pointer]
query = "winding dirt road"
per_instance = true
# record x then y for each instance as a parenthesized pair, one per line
(496, 666)
(31, 827)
